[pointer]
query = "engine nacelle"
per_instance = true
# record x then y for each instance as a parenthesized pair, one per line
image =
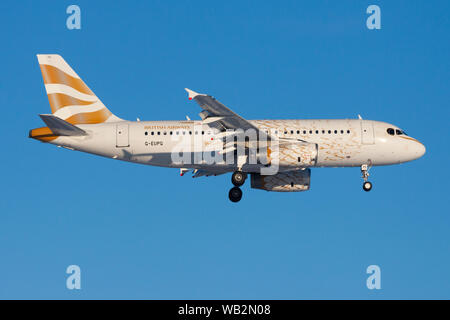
(292, 181)
(296, 154)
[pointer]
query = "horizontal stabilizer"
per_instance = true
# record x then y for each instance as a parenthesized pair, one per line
(60, 127)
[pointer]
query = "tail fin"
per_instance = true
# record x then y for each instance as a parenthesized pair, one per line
(70, 98)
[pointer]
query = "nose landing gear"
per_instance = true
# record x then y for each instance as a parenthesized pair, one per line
(238, 179)
(367, 185)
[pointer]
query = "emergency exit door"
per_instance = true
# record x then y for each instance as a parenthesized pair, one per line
(367, 134)
(122, 139)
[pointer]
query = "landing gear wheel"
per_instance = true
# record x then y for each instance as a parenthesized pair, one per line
(367, 186)
(238, 178)
(235, 194)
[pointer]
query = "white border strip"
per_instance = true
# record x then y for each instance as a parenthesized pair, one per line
(68, 111)
(62, 88)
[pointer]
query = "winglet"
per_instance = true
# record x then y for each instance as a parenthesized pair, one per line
(193, 94)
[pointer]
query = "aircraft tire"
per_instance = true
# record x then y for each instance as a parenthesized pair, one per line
(238, 178)
(367, 186)
(235, 194)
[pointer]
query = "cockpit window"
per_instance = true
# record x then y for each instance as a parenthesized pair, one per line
(397, 132)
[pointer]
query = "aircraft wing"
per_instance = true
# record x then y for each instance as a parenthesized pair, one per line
(203, 172)
(215, 112)
(206, 173)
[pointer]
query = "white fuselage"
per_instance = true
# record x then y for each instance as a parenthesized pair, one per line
(340, 143)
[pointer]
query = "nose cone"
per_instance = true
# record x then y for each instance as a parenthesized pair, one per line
(417, 150)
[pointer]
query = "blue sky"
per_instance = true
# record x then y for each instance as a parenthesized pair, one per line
(141, 232)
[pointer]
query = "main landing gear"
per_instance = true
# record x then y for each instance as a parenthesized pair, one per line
(235, 194)
(367, 185)
(238, 179)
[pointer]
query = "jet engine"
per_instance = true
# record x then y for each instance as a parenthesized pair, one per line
(295, 154)
(291, 181)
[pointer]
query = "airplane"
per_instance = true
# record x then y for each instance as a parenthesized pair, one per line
(277, 154)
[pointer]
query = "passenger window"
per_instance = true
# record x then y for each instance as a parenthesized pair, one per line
(298, 131)
(342, 131)
(335, 131)
(304, 131)
(348, 131)
(390, 131)
(152, 133)
(146, 133)
(317, 131)
(159, 133)
(398, 132)
(310, 131)
(329, 131)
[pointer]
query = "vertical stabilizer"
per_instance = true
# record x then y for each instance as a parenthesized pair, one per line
(70, 98)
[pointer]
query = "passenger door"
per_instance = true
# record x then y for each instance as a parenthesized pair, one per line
(367, 134)
(122, 139)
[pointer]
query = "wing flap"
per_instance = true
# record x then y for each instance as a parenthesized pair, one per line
(206, 173)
